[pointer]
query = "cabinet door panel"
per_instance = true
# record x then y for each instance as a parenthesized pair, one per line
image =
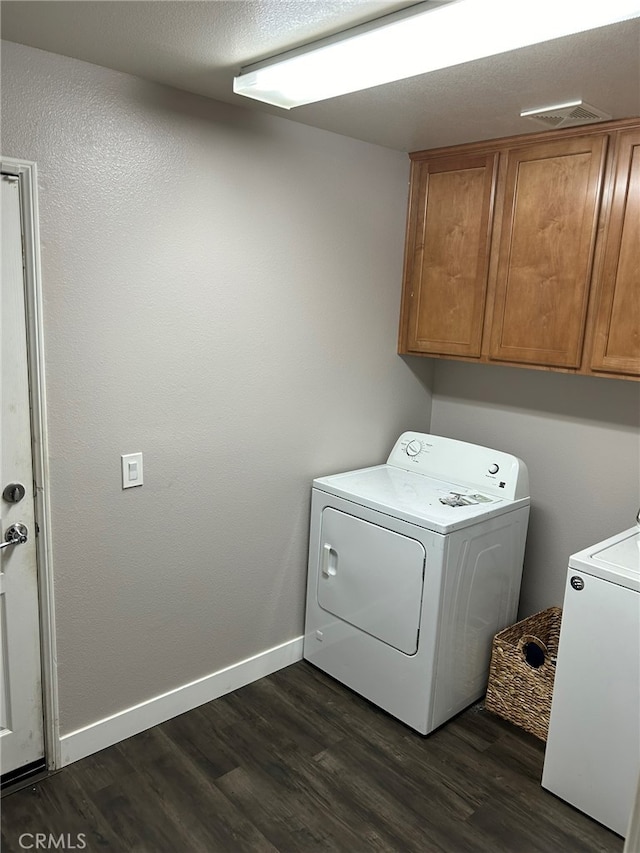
(449, 255)
(546, 250)
(617, 331)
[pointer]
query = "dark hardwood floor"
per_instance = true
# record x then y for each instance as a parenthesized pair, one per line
(296, 762)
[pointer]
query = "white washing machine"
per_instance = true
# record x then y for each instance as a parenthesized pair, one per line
(592, 759)
(414, 566)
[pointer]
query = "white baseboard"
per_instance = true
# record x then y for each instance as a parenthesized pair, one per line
(131, 721)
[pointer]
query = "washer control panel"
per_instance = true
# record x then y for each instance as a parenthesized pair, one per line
(471, 465)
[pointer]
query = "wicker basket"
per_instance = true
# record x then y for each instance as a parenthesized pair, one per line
(519, 691)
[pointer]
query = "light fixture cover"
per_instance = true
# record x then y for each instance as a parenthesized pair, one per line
(422, 38)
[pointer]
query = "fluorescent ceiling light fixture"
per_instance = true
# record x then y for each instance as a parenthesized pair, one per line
(422, 38)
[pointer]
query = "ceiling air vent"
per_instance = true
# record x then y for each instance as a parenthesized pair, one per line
(566, 115)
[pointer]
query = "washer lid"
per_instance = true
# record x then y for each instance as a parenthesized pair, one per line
(616, 559)
(415, 498)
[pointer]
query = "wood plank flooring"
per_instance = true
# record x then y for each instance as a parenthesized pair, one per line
(297, 763)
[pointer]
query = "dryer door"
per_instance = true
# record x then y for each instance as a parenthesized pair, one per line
(371, 578)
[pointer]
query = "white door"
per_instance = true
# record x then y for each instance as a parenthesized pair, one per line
(371, 578)
(21, 716)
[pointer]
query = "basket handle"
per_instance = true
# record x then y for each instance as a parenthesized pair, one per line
(534, 651)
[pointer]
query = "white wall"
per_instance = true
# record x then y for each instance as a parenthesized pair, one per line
(221, 292)
(579, 437)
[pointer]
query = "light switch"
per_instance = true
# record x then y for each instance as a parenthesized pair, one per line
(131, 470)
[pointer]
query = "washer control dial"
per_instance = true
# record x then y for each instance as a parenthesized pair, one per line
(414, 447)
(493, 468)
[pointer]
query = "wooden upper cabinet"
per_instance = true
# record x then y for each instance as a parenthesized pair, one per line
(526, 251)
(548, 230)
(447, 254)
(616, 344)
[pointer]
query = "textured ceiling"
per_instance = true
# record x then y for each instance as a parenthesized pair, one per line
(199, 46)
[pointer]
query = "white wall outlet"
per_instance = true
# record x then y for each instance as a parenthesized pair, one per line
(131, 470)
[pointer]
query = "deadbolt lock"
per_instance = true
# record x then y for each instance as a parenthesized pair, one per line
(13, 493)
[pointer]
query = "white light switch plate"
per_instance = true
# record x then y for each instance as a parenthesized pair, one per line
(131, 470)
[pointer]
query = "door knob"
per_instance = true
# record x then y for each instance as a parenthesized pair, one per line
(17, 534)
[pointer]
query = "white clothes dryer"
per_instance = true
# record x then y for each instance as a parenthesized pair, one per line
(414, 566)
